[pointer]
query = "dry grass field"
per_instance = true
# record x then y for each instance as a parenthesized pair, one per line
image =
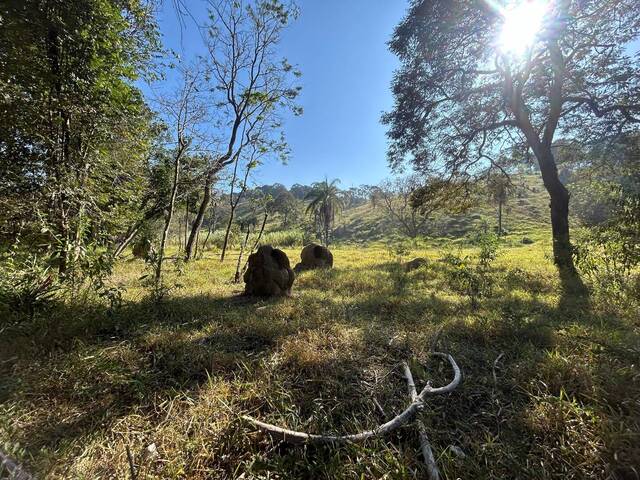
(551, 385)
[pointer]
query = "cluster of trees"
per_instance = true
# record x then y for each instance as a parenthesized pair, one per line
(87, 163)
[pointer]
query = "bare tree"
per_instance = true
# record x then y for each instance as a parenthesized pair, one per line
(183, 113)
(234, 200)
(396, 197)
(249, 85)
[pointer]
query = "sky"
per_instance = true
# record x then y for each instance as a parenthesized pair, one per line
(341, 48)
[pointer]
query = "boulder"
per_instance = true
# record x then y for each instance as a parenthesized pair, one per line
(314, 256)
(414, 264)
(269, 273)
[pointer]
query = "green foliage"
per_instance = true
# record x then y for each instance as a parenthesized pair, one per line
(74, 130)
(475, 279)
(26, 283)
(609, 254)
(325, 202)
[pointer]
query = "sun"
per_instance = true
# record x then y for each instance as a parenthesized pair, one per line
(522, 22)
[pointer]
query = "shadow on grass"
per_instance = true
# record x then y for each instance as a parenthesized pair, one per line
(82, 368)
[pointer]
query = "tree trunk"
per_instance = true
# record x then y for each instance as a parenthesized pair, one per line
(559, 206)
(167, 222)
(256, 243)
(500, 217)
(212, 227)
(236, 278)
(131, 232)
(226, 234)
(186, 223)
(197, 223)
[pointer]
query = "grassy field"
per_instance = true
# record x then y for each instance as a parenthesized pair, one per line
(81, 383)
(525, 213)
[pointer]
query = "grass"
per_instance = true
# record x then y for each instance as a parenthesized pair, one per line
(526, 213)
(81, 382)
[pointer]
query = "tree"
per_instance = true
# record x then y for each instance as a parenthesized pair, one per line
(499, 187)
(74, 130)
(324, 202)
(396, 197)
(249, 86)
(235, 197)
(286, 205)
(183, 114)
(460, 100)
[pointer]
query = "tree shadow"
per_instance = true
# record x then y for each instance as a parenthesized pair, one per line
(81, 369)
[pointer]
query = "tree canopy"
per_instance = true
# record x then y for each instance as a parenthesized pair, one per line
(461, 99)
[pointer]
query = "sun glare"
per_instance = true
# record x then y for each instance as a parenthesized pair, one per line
(522, 24)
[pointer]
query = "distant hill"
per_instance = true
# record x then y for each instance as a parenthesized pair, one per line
(524, 214)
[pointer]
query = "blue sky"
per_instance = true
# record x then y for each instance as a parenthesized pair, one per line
(340, 47)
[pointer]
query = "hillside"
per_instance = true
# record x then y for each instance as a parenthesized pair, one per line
(524, 214)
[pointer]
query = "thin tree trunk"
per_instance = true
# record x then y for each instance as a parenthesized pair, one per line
(186, 223)
(236, 278)
(212, 227)
(257, 242)
(226, 234)
(500, 217)
(234, 204)
(202, 210)
(167, 223)
(135, 228)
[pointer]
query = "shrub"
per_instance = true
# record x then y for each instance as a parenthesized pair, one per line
(26, 284)
(609, 255)
(283, 238)
(474, 280)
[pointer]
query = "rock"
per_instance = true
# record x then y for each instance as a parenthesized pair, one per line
(414, 264)
(457, 451)
(314, 256)
(527, 241)
(269, 273)
(151, 451)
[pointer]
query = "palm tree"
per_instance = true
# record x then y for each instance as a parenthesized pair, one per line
(324, 202)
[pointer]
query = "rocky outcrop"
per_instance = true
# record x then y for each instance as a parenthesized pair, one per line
(269, 273)
(314, 256)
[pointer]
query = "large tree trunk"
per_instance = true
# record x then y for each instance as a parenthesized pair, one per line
(197, 223)
(559, 206)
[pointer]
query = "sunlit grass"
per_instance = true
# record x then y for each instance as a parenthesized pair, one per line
(82, 382)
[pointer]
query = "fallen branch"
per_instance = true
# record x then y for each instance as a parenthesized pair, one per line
(296, 437)
(13, 469)
(425, 446)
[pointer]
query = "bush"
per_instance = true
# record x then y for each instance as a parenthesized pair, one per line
(609, 255)
(474, 280)
(26, 284)
(283, 238)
